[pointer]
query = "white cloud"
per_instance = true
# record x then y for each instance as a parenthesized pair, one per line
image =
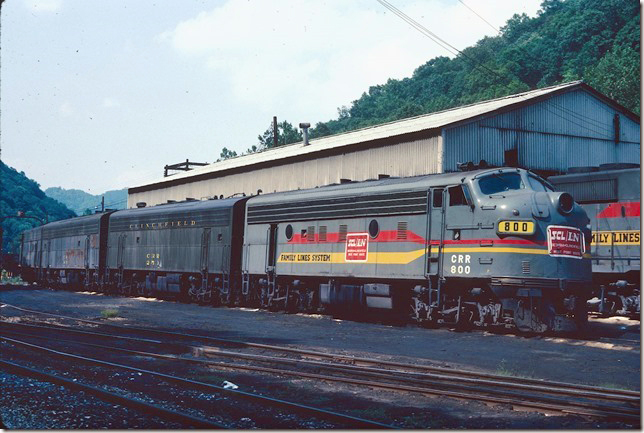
(66, 109)
(110, 102)
(44, 5)
(285, 55)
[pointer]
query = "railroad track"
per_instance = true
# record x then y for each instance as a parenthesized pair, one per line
(129, 402)
(534, 394)
(301, 410)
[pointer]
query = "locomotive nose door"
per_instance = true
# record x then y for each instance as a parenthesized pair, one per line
(435, 230)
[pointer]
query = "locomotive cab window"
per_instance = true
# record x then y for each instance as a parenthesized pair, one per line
(457, 196)
(500, 182)
(437, 198)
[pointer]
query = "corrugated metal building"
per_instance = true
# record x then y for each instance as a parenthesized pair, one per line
(547, 130)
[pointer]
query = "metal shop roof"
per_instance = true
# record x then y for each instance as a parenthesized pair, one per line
(416, 124)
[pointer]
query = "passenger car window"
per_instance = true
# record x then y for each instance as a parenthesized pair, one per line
(500, 182)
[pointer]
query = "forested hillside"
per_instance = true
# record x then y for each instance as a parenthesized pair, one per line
(82, 202)
(597, 41)
(19, 193)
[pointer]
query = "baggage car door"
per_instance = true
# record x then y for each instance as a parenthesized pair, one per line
(435, 231)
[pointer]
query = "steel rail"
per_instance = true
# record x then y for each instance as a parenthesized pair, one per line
(4, 324)
(529, 401)
(404, 375)
(413, 376)
(347, 358)
(148, 408)
(300, 408)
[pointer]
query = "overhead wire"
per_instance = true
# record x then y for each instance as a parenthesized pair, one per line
(450, 48)
(572, 113)
(475, 13)
(434, 37)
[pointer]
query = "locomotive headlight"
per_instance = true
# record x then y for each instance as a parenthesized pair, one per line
(565, 203)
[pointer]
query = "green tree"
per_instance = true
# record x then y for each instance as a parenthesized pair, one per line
(19, 193)
(597, 41)
(613, 76)
(286, 134)
(226, 154)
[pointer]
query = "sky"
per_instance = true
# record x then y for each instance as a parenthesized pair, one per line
(100, 95)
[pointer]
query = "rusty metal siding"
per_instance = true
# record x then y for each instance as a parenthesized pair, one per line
(566, 130)
(409, 158)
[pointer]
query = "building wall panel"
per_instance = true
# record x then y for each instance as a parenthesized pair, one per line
(566, 130)
(404, 159)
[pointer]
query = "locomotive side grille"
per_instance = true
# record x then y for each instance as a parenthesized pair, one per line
(342, 233)
(525, 266)
(402, 230)
(310, 234)
(376, 204)
(322, 234)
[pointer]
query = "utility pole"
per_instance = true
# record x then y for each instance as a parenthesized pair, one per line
(102, 204)
(274, 131)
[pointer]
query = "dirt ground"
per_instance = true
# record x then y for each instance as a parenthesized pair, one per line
(608, 355)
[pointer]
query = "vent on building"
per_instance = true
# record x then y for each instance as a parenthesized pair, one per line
(402, 230)
(310, 234)
(322, 234)
(342, 233)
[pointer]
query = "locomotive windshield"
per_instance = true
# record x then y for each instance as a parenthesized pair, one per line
(539, 185)
(500, 182)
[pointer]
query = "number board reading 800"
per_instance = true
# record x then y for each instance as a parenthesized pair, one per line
(516, 227)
